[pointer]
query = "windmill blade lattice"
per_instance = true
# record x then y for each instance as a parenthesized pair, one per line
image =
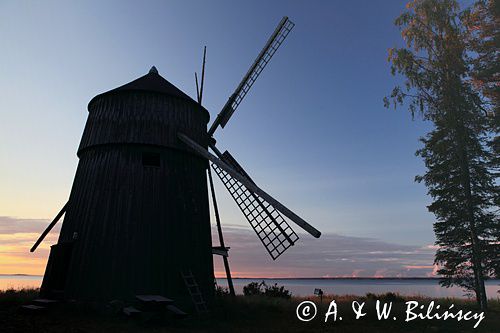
(277, 38)
(273, 231)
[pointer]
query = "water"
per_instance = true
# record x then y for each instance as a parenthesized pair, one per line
(304, 287)
(20, 281)
(359, 287)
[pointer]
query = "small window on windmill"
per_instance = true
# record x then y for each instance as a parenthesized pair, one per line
(151, 159)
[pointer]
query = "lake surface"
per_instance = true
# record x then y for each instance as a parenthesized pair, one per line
(20, 281)
(304, 287)
(359, 287)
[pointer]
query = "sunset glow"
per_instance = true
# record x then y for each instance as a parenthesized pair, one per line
(339, 160)
(331, 256)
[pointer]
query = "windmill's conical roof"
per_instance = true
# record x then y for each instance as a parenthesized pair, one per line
(153, 82)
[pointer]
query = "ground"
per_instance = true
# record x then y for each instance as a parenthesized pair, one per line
(241, 314)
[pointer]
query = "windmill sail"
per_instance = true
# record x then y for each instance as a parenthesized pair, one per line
(272, 45)
(249, 185)
(273, 231)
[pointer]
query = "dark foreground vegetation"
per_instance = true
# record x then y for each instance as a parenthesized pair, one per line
(258, 313)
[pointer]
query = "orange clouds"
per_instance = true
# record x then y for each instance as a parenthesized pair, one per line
(16, 238)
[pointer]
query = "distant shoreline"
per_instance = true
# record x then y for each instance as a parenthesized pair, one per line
(335, 278)
(21, 275)
(344, 278)
(302, 278)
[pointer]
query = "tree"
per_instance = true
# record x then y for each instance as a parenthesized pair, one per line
(483, 24)
(437, 86)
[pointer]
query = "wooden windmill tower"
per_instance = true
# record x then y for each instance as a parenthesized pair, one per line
(138, 212)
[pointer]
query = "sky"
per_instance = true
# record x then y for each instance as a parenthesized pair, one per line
(312, 132)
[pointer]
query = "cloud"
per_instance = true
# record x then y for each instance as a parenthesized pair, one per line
(332, 255)
(12, 225)
(17, 236)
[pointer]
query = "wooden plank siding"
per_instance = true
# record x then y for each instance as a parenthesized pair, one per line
(143, 118)
(138, 226)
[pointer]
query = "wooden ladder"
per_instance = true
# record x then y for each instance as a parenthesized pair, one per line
(194, 291)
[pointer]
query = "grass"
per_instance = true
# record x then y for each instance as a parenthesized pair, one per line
(241, 314)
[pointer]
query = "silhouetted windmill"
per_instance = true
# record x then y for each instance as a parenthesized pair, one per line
(137, 219)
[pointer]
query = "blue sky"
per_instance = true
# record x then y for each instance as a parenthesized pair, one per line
(312, 132)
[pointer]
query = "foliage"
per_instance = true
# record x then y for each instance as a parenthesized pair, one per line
(253, 288)
(277, 291)
(221, 291)
(261, 288)
(437, 67)
(17, 296)
(483, 25)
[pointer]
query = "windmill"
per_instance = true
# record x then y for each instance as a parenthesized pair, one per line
(137, 220)
(262, 211)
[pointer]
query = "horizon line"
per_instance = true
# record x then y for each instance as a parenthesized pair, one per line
(281, 278)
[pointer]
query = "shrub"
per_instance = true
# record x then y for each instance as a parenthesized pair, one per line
(261, 288)
(275, 291)
(221, 291)
(253, 288)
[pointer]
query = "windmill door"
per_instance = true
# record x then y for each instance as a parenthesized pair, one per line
(56, 272)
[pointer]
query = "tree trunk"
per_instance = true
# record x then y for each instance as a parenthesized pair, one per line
(477, 266)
